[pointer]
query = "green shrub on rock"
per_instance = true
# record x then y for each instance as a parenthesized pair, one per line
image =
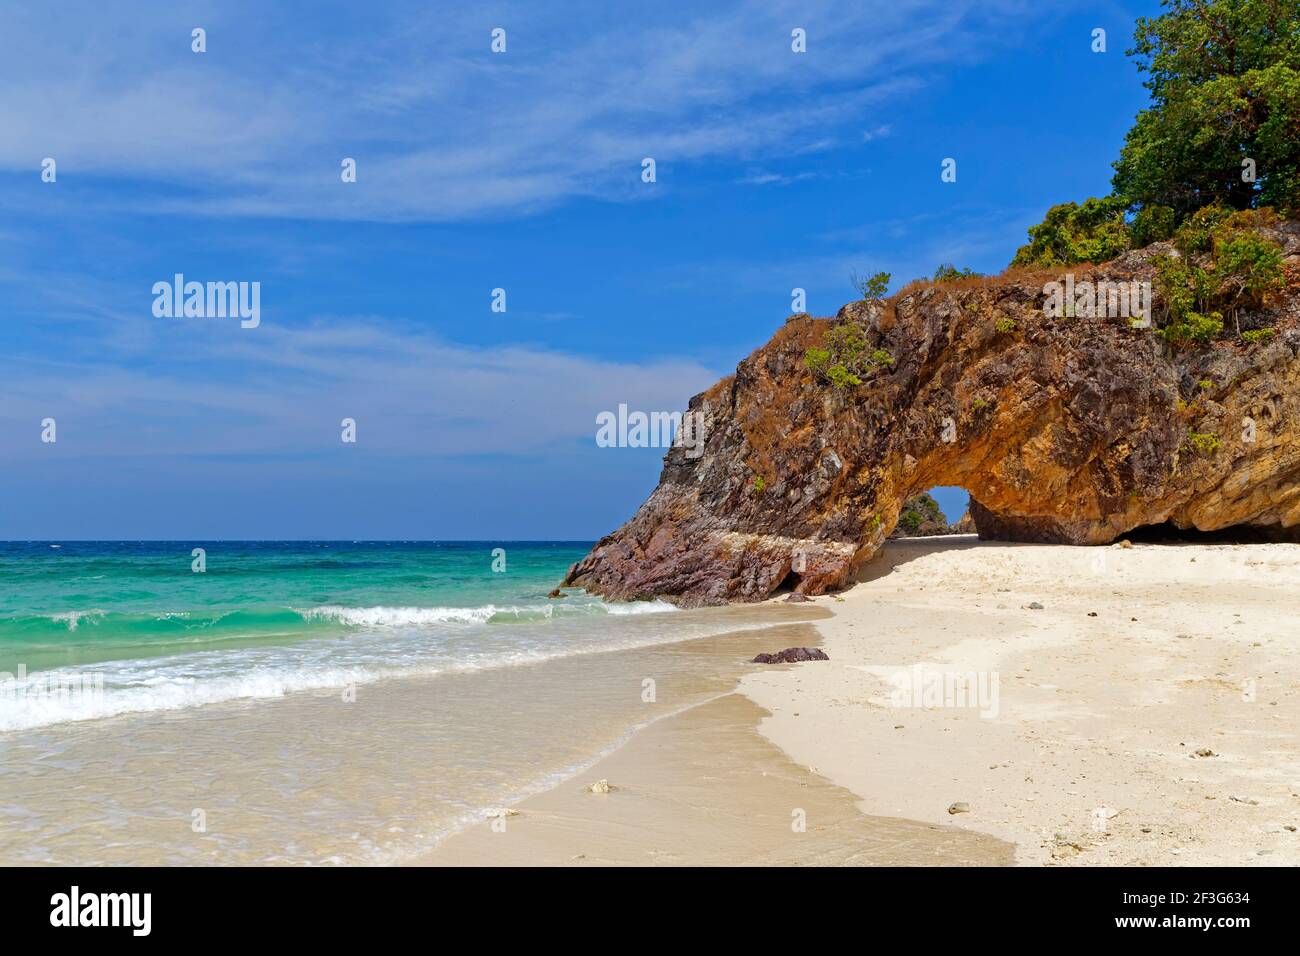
(846, 357)
(1152, 224)
(1245, 269)
(1196, 234)
(873, 288)
(947, 272)
(1092, 232)
(1248, 267)
(1203, 443)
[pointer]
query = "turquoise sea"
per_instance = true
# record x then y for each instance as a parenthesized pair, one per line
(264, 618)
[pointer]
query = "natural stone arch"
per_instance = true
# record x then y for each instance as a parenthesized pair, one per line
(1069, 430)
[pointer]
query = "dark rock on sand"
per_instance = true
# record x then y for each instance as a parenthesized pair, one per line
(791, 655)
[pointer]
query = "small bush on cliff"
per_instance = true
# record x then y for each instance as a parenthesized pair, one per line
(1189, 292)
(1005, 324)
(1258, 335)
(1245, 269)
(841, 377)
(1092, 232)
(1203, 443)
(947, 272)
(1196, 234)
(1152, 224)
(872, 288)
(846, 357)
(1248, 268)
(817, 360)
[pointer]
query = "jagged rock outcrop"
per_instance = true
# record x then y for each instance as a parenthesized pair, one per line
(1070, 430)
(921, 517)
(965, 524)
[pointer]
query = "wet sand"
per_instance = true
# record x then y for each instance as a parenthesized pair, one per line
(704, 788)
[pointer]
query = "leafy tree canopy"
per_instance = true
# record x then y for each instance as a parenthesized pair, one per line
(1224, 78)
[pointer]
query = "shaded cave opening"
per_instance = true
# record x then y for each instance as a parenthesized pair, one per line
(1168, 533)
(788, 583)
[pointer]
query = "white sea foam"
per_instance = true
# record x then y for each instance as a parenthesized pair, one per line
(73, 618)
(196, 679)
(638, 607)
(22, 708)
(424, 616)
(399, 616)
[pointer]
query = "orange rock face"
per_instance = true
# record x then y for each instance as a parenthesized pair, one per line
(1069, 430)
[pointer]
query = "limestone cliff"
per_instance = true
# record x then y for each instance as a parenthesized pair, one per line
(1071, 430)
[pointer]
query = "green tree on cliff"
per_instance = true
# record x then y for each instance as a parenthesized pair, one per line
(1224, 78)
(1223, 128)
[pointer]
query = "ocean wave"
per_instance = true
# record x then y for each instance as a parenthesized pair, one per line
(485, 614)
(178, 683)
(73, 618)
(96, 625)
(197, 679)
(399, 616)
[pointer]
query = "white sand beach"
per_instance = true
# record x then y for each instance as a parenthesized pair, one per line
(1161, 731)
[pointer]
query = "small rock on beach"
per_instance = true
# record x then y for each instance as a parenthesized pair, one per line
(791, 655)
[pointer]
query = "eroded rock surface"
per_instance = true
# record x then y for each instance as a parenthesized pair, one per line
(1070, 430)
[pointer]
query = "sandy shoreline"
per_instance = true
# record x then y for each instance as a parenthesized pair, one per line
(1159, 731)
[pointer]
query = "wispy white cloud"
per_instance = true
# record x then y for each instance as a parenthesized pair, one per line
(761, 178)
(283, 391)
(441, 128)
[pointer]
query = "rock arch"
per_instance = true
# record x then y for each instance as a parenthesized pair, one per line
(1068, 430)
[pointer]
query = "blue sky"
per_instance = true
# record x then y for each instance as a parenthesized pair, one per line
(476, 171)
